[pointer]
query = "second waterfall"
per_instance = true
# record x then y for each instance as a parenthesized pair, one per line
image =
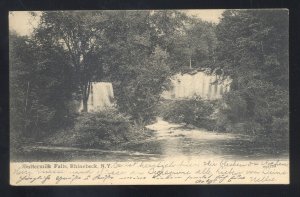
(184, 86)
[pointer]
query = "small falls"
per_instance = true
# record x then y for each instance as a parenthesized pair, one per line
(199, 84)
(101, 96)
(183, 86)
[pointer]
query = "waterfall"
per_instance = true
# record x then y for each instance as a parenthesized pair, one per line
(101, 96)
(198, 84)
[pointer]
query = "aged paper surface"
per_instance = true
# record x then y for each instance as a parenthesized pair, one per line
(179, 171)
(149, 97)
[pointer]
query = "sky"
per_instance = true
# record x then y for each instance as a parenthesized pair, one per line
(23, 23)
(210, 15)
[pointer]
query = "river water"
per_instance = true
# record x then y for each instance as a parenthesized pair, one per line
(176, 140)
(169, 140)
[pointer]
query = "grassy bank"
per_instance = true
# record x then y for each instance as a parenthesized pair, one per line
(107, 130)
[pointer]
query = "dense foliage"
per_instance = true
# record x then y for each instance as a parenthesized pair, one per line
(195, 111)
(253, 50)
(144, 50)
(138, 51)
(40, 88)
(94, 130)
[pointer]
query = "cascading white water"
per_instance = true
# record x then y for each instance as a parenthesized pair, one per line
(100, 97)
(184, 86)
(198, 84)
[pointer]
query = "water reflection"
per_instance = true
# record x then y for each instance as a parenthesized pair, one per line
(177, 141)
(170, 141)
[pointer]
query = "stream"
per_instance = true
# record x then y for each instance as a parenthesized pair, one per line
(169, 141)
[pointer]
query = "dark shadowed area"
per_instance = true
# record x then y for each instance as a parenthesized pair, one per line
(134, 85)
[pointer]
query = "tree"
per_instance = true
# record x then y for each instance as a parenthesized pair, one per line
(197, 44)
(119, 47)
(190, 42)
(253, 50)
(19, 84)
(128, 56)
(80, 35)
(146, 48)
(107, 45)
(40, 87)
(139, 59)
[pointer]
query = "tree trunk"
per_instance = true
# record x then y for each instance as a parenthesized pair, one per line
(85, 106)
(85, 98)
(26, 99)
(25, 109)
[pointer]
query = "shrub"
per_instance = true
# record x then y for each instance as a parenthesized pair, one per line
(280, 127)
(96, 129)
(262, 112)
(194, 111)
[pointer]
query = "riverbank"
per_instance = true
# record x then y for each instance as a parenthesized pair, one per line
(161, 140)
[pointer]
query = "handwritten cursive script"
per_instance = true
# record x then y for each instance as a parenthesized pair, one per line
(160, 172)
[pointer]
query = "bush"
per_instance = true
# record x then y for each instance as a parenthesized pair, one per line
(96, 129)
(280, 127)
(260, 109)
(194, 111)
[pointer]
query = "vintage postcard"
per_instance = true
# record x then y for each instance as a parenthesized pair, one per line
(149, 97)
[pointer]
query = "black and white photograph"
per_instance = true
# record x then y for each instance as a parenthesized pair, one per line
(149, 86)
